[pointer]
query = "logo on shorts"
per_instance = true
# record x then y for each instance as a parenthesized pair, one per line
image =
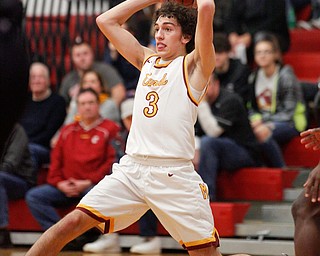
(170, 174)
(204, 190)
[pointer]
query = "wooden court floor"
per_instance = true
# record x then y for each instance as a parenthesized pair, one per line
(21, 252)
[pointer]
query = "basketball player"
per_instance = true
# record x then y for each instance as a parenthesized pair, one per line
(156, 173)
(306, 208)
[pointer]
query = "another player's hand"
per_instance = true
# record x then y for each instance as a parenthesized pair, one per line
(311, 138)
(312, 185)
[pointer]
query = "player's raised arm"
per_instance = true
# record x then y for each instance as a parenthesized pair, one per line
(126, 44)
(203, 55)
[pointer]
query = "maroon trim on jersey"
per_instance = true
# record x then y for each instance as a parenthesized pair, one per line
(147, 59)
(102, 220)
(215, 243)
(157, 63)
(201, 246)
(186, 82)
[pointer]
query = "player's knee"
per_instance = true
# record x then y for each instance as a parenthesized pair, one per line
(303, 209)
(73, 219)
(298, 207)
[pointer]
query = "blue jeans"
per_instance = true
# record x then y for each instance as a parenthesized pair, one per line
(40, 154)
(272, 154)
(12, 187)
(283, 132)
(148, 224)
(43, 200)
(221, 154)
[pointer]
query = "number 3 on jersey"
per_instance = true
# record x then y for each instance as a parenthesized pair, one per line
(152, 109)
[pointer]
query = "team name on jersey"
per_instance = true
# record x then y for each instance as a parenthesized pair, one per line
(148, 81)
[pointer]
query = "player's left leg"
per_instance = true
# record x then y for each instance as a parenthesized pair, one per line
(55, 238)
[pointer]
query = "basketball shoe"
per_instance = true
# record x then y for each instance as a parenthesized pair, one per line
(151, 246)
(105, 243)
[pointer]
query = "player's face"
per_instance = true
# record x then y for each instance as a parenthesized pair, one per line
(39, 80)
(88, 107)
(264, 54)
(82, 57)
(90, 80)
(170, 42)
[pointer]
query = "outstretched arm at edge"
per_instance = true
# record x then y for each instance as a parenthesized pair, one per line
(201, 61)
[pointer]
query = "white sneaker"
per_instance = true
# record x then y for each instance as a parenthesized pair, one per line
(152, 246)
(105, 243)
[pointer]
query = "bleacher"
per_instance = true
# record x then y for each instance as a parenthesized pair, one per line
(253, 211)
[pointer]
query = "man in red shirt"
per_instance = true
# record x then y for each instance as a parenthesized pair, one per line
(82, 156)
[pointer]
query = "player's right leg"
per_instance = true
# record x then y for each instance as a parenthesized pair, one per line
(55, 238)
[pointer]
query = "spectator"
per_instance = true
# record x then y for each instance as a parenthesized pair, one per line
(276, 105)
(83, 59)
(229, 142)
(44, 114)
(306, 208)
(148, 222)
(232, 74)
(72, 175)
(17, 175)
(108, 108)
(248, 18)
(14, 67)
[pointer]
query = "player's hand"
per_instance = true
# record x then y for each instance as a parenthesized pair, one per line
(312, 184)
(311, 138)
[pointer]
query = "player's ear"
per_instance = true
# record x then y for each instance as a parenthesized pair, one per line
(186, 39)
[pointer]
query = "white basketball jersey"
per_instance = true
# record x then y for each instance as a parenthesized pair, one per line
(164, 112)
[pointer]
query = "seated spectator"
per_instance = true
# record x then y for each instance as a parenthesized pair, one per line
(82, 57)
(232, 74)
(82, 156)
(108, 108)
(44, 114)
(148, 222)
(17, 176)
(228, 142)
(249, 17)
(276, 105)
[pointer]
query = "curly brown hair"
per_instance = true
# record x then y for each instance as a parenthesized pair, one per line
(186, 18)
